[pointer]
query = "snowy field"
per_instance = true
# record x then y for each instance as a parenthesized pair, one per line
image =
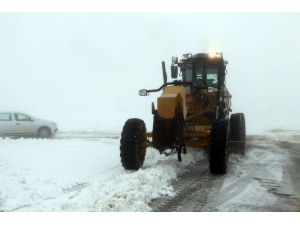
(81, 175)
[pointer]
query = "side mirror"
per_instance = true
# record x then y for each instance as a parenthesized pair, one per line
(30, 119)
(174, 60)
(174, 72)
(143, 92)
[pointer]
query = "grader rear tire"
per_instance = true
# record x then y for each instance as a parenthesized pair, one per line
(132, 150)
(218, 155)
(238, 133)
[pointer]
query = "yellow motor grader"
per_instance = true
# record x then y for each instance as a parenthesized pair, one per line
(191, 112)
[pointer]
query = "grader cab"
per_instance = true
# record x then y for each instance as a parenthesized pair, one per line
(191, 112)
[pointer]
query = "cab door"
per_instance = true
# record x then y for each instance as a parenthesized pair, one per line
(24, 124)
(7, 125)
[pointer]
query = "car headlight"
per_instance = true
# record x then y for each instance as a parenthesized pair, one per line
(54, 123)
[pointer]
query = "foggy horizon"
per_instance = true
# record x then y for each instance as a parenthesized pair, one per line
(84, 70)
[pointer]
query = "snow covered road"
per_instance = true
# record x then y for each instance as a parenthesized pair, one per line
(82, 174)
(266, 180)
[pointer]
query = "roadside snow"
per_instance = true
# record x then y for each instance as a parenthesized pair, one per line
(81, 175)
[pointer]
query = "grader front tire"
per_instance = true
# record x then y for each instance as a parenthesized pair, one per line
(132, 150)
(218, 156)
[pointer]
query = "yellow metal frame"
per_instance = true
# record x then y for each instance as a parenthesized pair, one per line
(192, 104)
(198, 138)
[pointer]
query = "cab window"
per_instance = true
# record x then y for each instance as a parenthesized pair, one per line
(208, 74)
(212, 77)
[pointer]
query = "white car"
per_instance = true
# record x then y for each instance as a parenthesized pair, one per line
(21, 124)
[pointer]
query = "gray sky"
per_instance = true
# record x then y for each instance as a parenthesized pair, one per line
(63, 66)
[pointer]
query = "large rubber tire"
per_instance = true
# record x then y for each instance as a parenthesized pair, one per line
(218, 149)
(238, 133)
(132, 150)
(44, 132)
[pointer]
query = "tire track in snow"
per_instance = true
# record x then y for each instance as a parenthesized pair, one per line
(192, 191)
(263, 187)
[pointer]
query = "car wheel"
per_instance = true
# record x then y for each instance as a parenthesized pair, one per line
(44, 132)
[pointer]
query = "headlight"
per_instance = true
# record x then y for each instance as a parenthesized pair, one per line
(54, 123)
(186, 56)
(214, 55)
(212, 89)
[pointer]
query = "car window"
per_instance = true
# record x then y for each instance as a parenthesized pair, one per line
(5, 117)
(21, 117)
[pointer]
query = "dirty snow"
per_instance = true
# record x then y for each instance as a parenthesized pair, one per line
(251, 181)
(242, 189)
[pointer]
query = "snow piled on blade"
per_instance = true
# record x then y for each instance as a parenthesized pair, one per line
(82, 175)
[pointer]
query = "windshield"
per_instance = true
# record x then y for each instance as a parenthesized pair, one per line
(206, 74)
